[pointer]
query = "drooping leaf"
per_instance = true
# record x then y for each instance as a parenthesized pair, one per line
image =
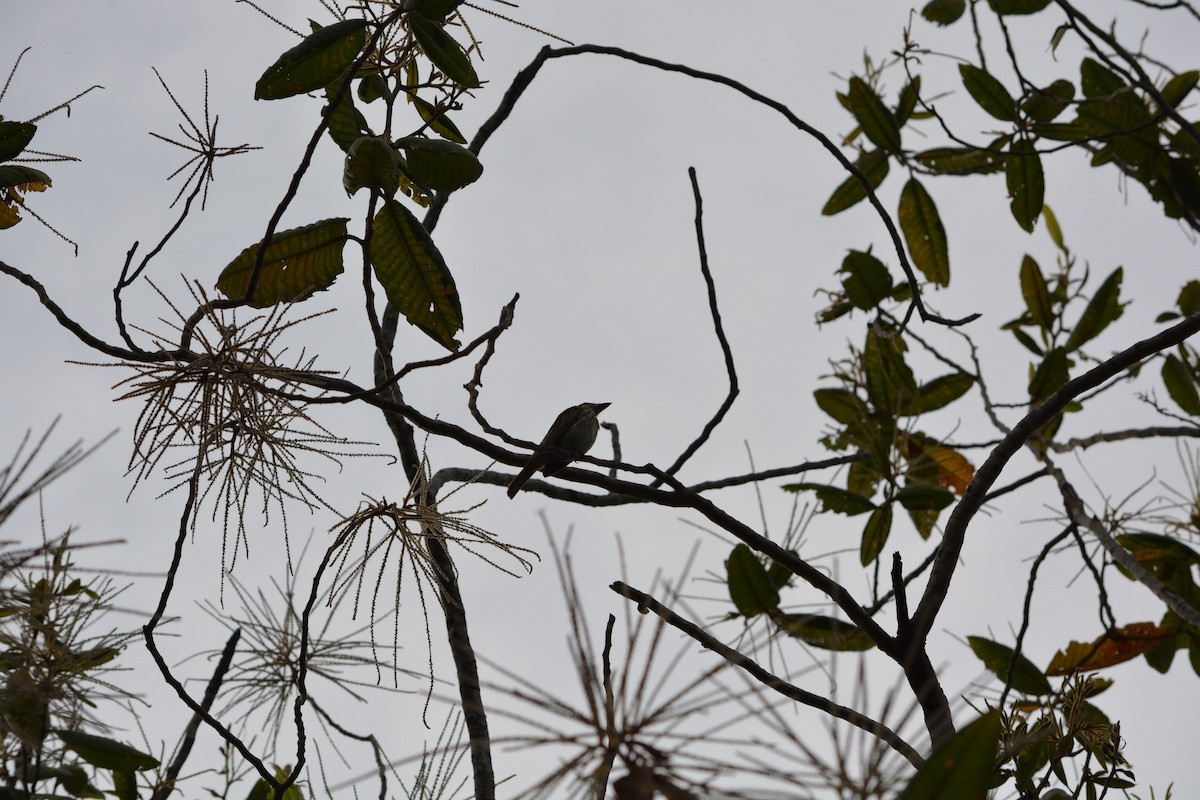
(874, 167)
(1026, 678)
(1013, 7)
(907, 102)
(750, 588)
(943, 12)
(443, 51)
(346, 122)
(371, 87)
(834, 499)
(371, 163)
(1026, 184)
(875, 534)
(439, 164)
(435, 9)
(26, 179)
(924, 233)
(1178, 87)
(890, 382)
(867, 281)
(1125, 643)
(106, 753)
(873, 116)
(1181, 385)
(988, 92)
(939, 393)
(960, 160)
(437, 120)
(414, 275)
(1052, 227)
(297, 263)
(843, 405)
(1044, 105)
(826, 633)
(963, 768)
(1036, 294)
(15, 137)
(1103, 309)
(314, 63)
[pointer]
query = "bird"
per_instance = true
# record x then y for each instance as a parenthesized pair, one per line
(572, 434)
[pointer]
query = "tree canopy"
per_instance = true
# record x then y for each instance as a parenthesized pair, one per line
(916, 367)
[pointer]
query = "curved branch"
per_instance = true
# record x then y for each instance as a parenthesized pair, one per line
(987, 474)
(647, 603)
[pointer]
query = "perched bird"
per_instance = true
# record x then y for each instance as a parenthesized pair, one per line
(571, 435)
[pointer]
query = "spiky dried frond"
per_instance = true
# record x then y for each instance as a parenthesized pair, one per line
(641, 725)
(263, 679)
(395, 538)
(224, 407)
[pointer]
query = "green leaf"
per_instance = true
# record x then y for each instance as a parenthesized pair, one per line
(106, 753)
(14, 137)
(314, 63)
(371, 163)
(1179, 86)
(372, 87)
(939, 393)
(867, 281)
(750, 588)
(443, 51)
(875, 534)
(434, 9)
(924, 497)
(298, 262)
(125, 784)
(874, 167)
(439, 164)
(924, 233)
(907, 101)
(414, 275)
(834, 499)
(437, 120)
(1104, 308)
(1097, 80)
(962, 768)
(23, 177)
(826, 633)
(1018, 6)
(1026, 677)
(890, 382)
(873, 116)
(346, 122)
(843, 405)
(1026, 185)
(1052, 227)
(1046, 104)
(1181, 385)
(1027, 341)
(1189, 298)
(988, 92)
(943, 12)
(1052, 373)
(1036, 294)
(960, 161)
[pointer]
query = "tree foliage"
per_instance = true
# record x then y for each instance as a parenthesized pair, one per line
(228, 420)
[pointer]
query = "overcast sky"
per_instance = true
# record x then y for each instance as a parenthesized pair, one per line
(585, 209)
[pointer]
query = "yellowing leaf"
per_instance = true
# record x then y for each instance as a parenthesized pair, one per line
(1124, 644)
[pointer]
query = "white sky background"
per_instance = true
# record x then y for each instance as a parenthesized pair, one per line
(585, 209)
